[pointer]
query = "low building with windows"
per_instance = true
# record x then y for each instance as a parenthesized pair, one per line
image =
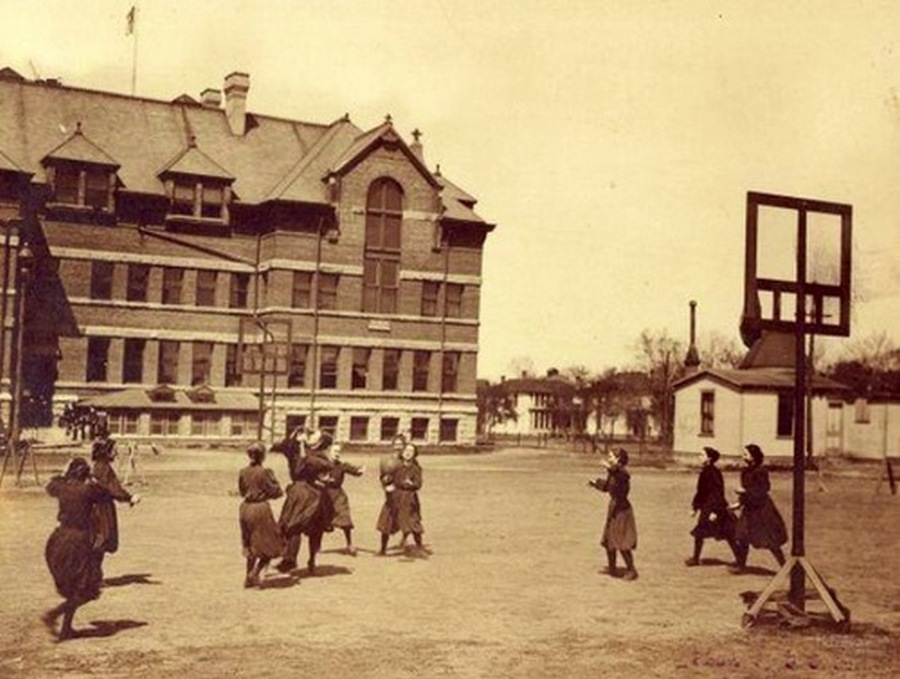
(199, 270)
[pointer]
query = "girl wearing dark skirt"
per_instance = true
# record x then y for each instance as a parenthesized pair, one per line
(260, 536)
(760, 524)
(70, 552)
(620, 530)
(714, 518)
(387, 524)
(407, 481)
(307, 507)
(105, 518)
(339, 499)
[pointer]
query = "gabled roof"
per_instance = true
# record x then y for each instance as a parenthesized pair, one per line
(305, 181)
(759, 379)
(771, 350)
(192, 161)
(276, 159)
(142, 399)
(80, 149)
(538, 385)
(7, 164)
(365, 143)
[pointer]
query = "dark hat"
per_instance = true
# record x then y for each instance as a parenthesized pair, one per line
(711, 453)
(755, 452)
(622, 456)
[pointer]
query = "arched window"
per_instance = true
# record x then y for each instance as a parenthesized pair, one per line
(381, 267)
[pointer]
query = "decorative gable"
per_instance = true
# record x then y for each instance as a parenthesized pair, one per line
(161, 393)
(81, 174)
(198, 188)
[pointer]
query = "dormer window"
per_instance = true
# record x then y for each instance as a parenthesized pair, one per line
(84, 186)
(197, 198)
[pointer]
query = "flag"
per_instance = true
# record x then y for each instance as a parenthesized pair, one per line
(129, 26)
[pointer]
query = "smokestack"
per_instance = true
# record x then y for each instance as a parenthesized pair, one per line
(692, 359)
(211, 98)
(236, 87)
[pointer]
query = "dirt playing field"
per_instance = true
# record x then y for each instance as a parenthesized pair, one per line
(512, 588)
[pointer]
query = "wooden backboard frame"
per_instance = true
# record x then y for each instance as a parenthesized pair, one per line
(753, 321)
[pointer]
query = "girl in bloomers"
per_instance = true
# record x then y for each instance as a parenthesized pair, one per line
(620, 530)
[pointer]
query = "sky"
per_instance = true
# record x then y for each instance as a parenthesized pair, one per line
(612, 143)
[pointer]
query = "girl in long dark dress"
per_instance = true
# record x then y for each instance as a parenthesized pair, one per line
(339, 500)
(714, 519)
(620, 530)
(307, 507)
(105, 517)
(387, 524)
(70, 551)
(760, 524)
(407, 481)
(260, 536)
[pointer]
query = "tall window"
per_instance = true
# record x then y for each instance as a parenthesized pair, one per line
(453, 300)
(329, 425)
(390, 427)
(101, 280)
(785, 415)
(240, 284)
(97, 359)
(707, 413)
(167, 371)
(133, 361)
(450, 372)
(172, 281)
(97, 188)
(297, 371)
(430, 290)
(328, 285)
(201, 362)
(418, 428)
(381, 268)
(359, 428)
(245, 424)
(328, 367)
(390, 370)
(421, 366)
(206, 287)
(301, 297)
(232, 372)
(360, 374)
(448, 431)
(137, 284)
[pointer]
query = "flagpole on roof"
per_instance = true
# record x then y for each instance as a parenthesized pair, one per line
(131, 29)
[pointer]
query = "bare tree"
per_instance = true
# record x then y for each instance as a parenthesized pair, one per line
(662, 358)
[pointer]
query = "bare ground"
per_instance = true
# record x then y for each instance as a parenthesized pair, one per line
(512, 588)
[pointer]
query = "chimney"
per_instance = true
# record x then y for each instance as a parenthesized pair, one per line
(692, 359)
(211, 98)
(416, 146)
(236, 87)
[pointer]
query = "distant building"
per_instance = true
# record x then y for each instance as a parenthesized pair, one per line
(198, 266)
(543, 405)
